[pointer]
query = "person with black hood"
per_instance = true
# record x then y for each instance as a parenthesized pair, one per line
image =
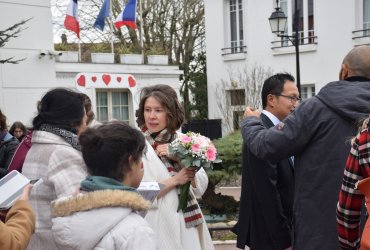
(55, 156)
(317, 133)
(8, 145)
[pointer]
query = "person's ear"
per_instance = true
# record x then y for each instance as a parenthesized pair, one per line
(343, 72)
(270, 100)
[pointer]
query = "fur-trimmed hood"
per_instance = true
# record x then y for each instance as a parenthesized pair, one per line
(98, 199)
(84, 220)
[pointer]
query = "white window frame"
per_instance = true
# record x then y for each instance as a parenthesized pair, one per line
(286, 46)
(110, 103)
(307, 88)
(237, 46)
(359, 37)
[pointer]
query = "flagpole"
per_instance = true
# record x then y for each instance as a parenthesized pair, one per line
(141, 32)
(79, 50)
(112, 26)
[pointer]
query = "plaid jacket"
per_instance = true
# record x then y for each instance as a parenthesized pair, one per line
(62, 169)
(350, 199)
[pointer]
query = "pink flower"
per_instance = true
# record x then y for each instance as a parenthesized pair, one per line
(185, 139)
(211, 153)
(195, 147)
(202, 141)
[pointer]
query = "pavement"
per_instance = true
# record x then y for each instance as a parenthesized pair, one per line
(229, 246)
(232, 191)
(235, 192)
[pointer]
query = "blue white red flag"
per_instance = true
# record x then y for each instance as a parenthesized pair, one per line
(103, 13)
(71, 22)
(127, 16)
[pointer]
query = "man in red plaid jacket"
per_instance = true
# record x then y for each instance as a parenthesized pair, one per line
(350, 199)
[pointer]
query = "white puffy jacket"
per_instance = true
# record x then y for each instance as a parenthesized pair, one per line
(102, 220)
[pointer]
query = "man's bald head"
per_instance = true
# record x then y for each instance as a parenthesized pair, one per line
(357, 62)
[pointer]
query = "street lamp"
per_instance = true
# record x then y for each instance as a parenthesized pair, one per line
(278, 22)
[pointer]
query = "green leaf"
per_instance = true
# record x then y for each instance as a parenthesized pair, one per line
(187, 161)
(183, 196)
(196, 162)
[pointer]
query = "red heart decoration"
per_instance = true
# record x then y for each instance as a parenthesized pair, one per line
(119, 79)
(106, 79)
(81, 81)
(93, 78)
(131, 81)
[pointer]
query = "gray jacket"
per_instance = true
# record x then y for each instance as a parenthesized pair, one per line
(8, 146)
(318, 135)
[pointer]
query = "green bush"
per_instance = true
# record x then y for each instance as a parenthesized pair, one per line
(229, 149)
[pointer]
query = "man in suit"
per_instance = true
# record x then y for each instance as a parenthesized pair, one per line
(266, 202)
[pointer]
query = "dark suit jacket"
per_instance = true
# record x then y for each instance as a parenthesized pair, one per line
(266, 202)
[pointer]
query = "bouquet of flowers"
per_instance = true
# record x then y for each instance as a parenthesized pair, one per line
(194, 151)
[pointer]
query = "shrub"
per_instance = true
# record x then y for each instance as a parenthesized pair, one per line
(229, 149)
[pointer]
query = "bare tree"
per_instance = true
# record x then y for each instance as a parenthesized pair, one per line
(10, 33)
(242, 88)
(175, 27)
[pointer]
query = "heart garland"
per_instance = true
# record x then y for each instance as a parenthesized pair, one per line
(106, 78)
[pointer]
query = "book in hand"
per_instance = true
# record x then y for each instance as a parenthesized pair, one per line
(150, 189)
(11, 188)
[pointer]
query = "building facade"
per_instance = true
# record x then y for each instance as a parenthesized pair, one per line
(23, 84)
(241, 47)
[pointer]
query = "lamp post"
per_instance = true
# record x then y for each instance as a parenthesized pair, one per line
(278, 22)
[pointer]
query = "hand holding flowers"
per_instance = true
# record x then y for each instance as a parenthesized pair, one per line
(194, 151)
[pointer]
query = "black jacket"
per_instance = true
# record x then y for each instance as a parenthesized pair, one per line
(318, 134)
(8, 145)
(266, 202)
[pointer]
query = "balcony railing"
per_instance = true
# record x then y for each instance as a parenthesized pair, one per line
(302, 40)
(360, 33)
(234, 50)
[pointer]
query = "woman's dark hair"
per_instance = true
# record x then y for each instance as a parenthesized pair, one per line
(62, 108)
(167, 97)
(3, 125)
(107, 149)
(19, 125)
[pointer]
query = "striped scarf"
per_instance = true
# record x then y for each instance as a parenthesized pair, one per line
(192, 214)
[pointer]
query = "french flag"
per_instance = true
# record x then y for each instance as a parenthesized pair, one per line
(71, 22)
(127, 16)
(103, 13)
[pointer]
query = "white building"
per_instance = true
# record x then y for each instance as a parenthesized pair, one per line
(23, 84)
(238, 35)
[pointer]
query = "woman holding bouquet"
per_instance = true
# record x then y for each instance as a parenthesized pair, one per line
(159, 116)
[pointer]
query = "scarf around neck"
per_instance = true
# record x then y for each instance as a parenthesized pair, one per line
(192, 213)
(94, 183)
(68, 136)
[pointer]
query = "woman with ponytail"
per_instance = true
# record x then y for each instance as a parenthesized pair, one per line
(107, 199)
(159, 116)
(55, 157)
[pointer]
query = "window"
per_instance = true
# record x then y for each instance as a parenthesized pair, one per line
(306, 29)
(237, 97)
(362, 33)
(366, 17)
(112, 105)
(307, 91)
(236, 26)
(237, 118)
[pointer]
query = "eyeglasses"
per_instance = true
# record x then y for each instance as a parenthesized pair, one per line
(293, 99)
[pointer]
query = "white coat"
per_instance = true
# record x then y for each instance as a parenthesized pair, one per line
(104, 219)
(163, 217)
